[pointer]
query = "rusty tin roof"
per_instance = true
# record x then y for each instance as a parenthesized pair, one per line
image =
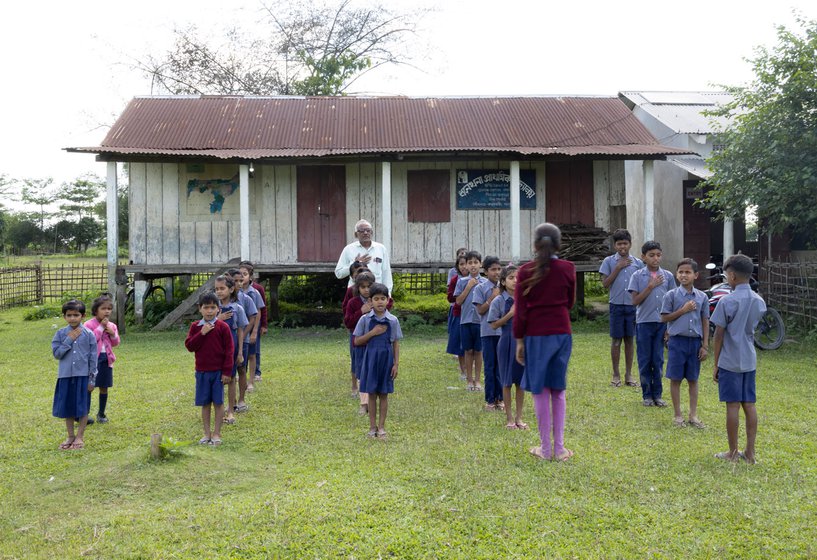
(228, 127)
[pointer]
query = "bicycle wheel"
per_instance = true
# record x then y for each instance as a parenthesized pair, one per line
(770, 331)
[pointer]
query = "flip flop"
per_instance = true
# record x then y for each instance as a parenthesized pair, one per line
(77, 445)
(616, 383)
(537, 452)
(697, 424)
(727, 456)
(229, 420)
(215, 441)
(678, 422)
(242, 408)
(371, 433)
(511, 426)
(67, 443)
(568, 454)
(204, 441)
(522, 425)
(381, 433)
(631, 383)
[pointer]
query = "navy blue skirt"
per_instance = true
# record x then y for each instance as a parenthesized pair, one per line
(454, 346)
(71, 397)
(546, 360)
(104, 372)
(510, 371)
(376, 364)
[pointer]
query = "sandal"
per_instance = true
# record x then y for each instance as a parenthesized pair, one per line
(616, 383)
(381, 433)
(697, 424)
(631, 383)
(500, 405)
(229, 420)
(204, 441)
(242, 408)
(67, 443)
(371, 433)
(537, 452)
(511, 426)
(678, 422)
(522, 426)
(727, 456)
(567, 455)
(490, 407)
(215, 441)
(77, 445)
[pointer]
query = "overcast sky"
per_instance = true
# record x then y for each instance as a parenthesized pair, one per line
(66, 74)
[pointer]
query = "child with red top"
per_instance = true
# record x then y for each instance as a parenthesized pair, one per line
(545, 292)
(356, 307)
(455, 311)
(212, 342)
(356, 268)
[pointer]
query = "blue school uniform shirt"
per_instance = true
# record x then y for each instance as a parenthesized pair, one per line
(253, 294)
(649, 310)
(250, 310)
(689, 324)
(497, 311)
(739, 313)
(618, 289)
(78, 358)
(481, 295)
(469, 312)
(362, 326)
(239, 319)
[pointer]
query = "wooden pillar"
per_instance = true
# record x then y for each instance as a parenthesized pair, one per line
(140, 288)
(112, 226)
(273, 308)
(168, 285)
(728, 238)
(244, 209)
(385, 218)
(120, 297)
(649, 200)
(516, 249)
(580, 290)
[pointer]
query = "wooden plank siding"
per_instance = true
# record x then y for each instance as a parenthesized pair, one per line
(169, 227)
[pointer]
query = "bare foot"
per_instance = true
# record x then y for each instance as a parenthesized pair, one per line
(67, 443)
(748, 457)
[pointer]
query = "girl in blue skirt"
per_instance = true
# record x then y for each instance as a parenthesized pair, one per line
(379, 332)
(545, 292)
(500, 315)
(454, 312)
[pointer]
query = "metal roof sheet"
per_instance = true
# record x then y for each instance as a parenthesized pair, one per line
(682, 111)
(691, 164)
(227, 127)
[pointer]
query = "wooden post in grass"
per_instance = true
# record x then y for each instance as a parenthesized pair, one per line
(155, 449)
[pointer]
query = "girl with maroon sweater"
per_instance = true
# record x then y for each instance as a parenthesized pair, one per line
(545, 292)
(454, 316)
(356, 307)
(354, 270)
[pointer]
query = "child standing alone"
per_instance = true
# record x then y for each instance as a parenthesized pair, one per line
(107, 336)
(735, 317)
(212, 342)
(648, 286)
(686, 312)
(379, 331)
(545, 292)
(75, 347)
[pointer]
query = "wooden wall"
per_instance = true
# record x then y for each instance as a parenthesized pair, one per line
(170, 226)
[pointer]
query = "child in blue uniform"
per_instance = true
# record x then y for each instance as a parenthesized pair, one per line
(686, 312)
(484, 295)
(648, 286)
(735, 317)
(379, 331)
(253, 317)
(233, 314)
(356, 307)
(454, 315)
(75, 347)
(500, 316)
(253, 335)
(470, 339)
(616, 271)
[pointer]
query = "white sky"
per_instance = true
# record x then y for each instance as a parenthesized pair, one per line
(66, 78)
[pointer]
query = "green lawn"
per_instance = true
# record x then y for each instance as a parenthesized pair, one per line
(296, 477)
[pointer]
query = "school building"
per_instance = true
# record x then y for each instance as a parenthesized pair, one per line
(281, 181)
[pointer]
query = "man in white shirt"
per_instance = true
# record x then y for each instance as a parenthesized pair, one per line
(368, 252)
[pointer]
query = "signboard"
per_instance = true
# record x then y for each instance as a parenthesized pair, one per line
(482, 189)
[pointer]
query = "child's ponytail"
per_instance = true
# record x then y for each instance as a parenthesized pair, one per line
(547, 241)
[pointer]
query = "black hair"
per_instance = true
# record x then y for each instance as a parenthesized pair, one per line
(73, 305)
(356, 266)
(740, 265)
(622, 235)
(547, 241)
(363, 278)
(507, 271)
(688, 262)
(486, 264)
(378, 289)
(208, 298)
(248, 265)
(227, 279)
(650, 246)
(457, 263)
(462, 250)
(233, 271)
(473, 255)
(97, 303)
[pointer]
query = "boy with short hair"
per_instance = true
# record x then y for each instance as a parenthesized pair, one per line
(686, 312)
(212, 342)
(484, 294)
(648, 287)
(470, 339)
(616, 271)
(735, 317)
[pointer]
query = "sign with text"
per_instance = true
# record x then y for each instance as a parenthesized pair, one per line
(482, 189)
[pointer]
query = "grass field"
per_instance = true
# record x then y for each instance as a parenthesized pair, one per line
(296, 477)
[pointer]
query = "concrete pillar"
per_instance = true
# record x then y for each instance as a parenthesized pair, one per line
(516, 249)
(649, 200)
(244, 209)
(728, 238)
(385, 233)
(112, 217)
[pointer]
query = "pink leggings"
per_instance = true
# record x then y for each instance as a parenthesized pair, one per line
(541, 404)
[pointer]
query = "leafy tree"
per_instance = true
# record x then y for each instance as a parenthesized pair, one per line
(22, 233)
(38, 192)
(307, 49)
(79, 195)
(101, 210)
(768, 156)
(7, 187)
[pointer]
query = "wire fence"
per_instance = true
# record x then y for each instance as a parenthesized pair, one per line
(791, 288)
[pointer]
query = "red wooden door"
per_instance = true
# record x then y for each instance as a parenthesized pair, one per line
(569, 192)
(697, 226)
(321, 212)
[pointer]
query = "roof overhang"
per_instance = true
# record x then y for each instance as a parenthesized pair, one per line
(694, 165)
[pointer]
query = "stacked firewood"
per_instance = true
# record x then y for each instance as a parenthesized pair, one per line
(583, 243)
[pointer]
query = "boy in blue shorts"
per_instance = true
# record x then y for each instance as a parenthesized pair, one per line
(212, 342)
(686, 312)
(616, 271)
(735, 318)
(484, 294)
(470, 339)
(648, 287)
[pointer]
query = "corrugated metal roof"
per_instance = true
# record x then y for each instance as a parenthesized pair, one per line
(681, 111)
(690, 164)
(292, 127)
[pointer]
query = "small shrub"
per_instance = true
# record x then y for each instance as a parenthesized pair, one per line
(171, 447)
(314, 289)
(42, 312)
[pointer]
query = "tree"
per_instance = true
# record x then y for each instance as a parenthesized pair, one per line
(22, 233)
(310, 49)
(101, 210)
(79, 195)
(768, 154)
(38, 192)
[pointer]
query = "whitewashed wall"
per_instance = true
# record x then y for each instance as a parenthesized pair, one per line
(170, 226)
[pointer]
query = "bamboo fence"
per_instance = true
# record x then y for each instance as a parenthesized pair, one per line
(791, 288)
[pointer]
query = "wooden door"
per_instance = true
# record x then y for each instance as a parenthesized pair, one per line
(321, 212)
(697, 235)
(569, 192)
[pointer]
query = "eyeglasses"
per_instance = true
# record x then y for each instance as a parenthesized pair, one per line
(365, 230)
